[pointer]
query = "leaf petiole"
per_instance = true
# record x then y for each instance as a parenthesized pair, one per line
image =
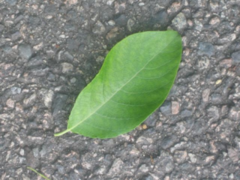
(38, 173)
(61, 133)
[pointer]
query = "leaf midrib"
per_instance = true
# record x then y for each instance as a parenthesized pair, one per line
(120, 87)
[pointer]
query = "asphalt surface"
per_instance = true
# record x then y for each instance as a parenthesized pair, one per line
(50, 50)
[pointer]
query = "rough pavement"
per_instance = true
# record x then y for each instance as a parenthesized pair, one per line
(50, 50)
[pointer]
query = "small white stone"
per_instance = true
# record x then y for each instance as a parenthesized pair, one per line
(111, 23)
(175, 107)
(16, 90)
(10, 103)
(144, 168)
(130, 24)
(231, 176)
(38, 46)
(35, 6)
(49, 17)
(209, 159)
(62, 36)
(205, 95)
(25, 51)
(192, 157)
(98, 28)
(73, 80)
(218, 82)
(71, 2)
(30, 99)
(100, 59)
(19, 171)
(36, 152)
(109, 2)
(25, 177)
(144, 140)
(180, 21)
(198, 25)
(48, 98)
(22, 152)
(116, 167)
(66, 67)
(214, 21)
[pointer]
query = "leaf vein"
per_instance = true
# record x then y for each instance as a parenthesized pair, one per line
(127, 104)
(128, 92)
(117, 118)
(157, 77)
(167, 62)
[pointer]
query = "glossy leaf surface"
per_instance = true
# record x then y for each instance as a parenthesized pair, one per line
(134, 81)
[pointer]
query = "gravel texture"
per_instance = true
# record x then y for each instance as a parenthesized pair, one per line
(50, 50)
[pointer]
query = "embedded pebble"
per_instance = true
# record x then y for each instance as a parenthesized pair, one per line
(10, 103)
(36, 152)
(216, 98)
(17, 35)
(180, 156)
(236, 57)
(206, 49)
(130, 24)
(66, 67)
(110, 2)
(234, 114)
(100, 59)
(1, 28)
(73, 80)
(73, 44)
(19, 171)
(213, 112)
(16, 90)
(30, 99)
(233, 154)
(162, 18)
(205, 95)
(24, 177)
(25, 51)
(180, 21)
(214, 21)
(186, 113)
(168, 141)
(115, 168)
(218, 82)
(99, 28)
(143, 140)
(144, 168)
(192, 157)
(11, 2)
(175, 107)
(166, 108)
(198, 25)
(22, 152)
(48, 98)
(72, 2)
(111, 22)
(112, 33)
(144, 126)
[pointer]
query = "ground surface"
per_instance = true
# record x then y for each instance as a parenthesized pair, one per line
(50, 50)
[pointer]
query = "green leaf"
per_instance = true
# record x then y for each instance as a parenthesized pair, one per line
(134, 81)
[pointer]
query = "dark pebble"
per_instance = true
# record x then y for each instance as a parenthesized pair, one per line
(236, 57)
(206, 49)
